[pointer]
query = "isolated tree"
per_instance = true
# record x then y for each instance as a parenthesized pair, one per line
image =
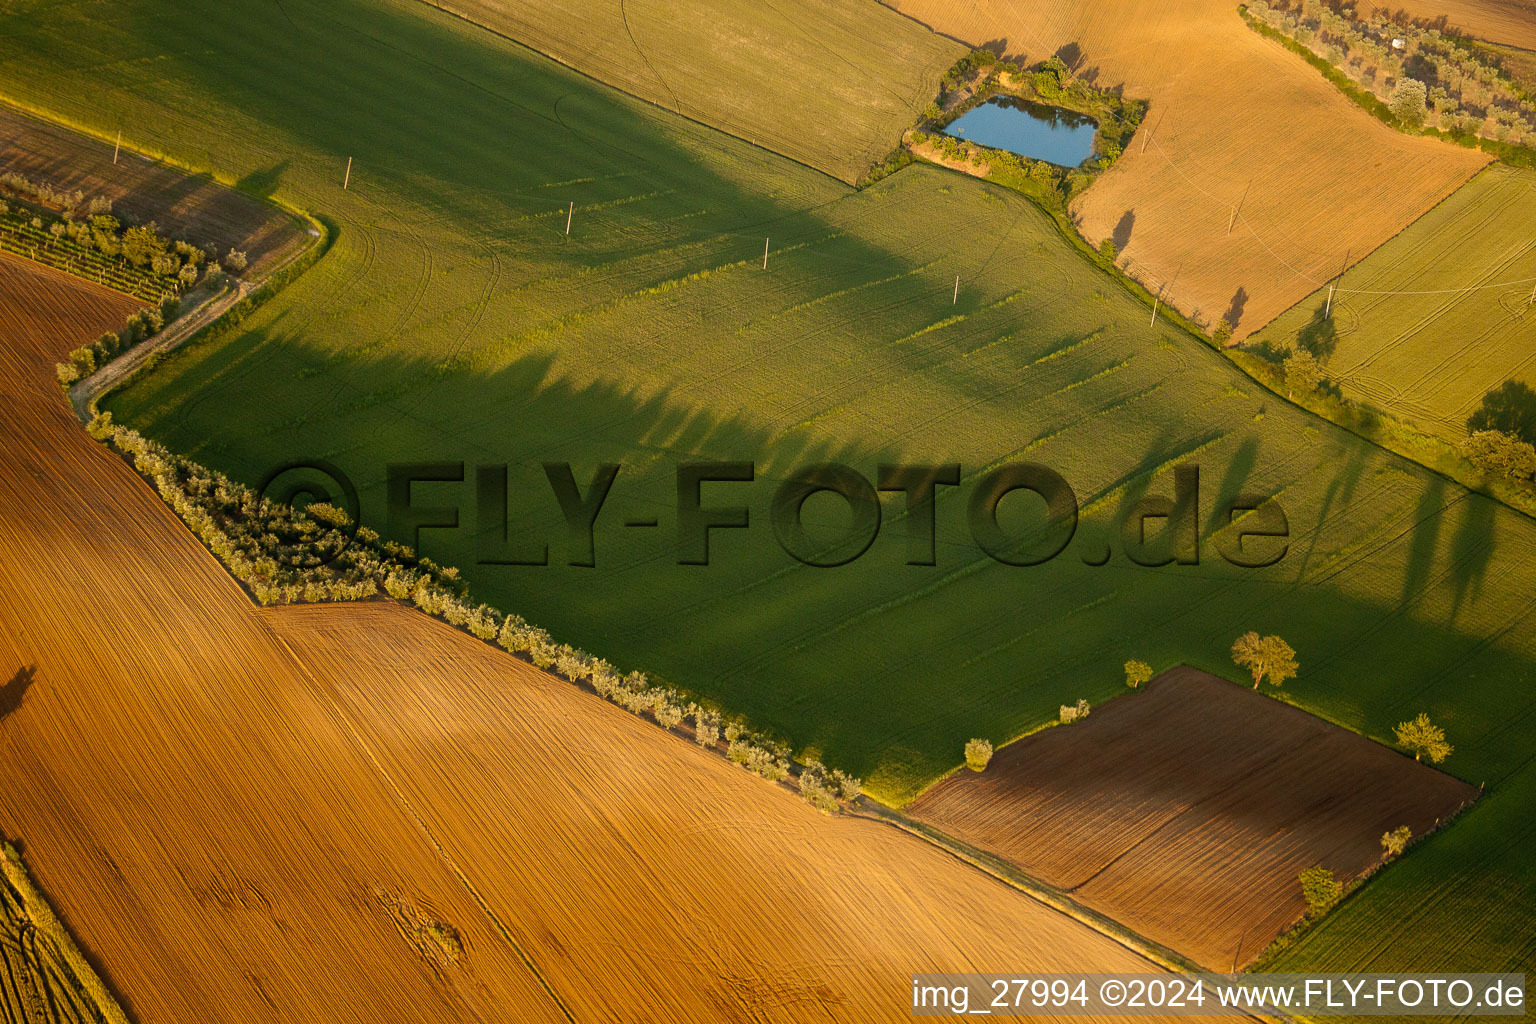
(1408, 103)
(1320, 889)
(978, 754)
(1303, 373)
(1223, 332)
(235, 260)
(1424, 739)
(1268, 659)
(1108, 250)
(1494, 451)
(1396, 841)
(1136, 673)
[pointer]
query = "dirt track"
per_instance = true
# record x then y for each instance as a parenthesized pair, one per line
(1186, 811)
(1237, 123)
(229, 807)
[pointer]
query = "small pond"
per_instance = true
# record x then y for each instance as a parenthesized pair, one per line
(1035, 130)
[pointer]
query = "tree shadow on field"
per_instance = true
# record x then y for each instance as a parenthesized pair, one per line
(1341, 490)
(12, 692)
(1234, 313)
(1471, 550)
(1239, 468)
(263, 183)
(1122, 233)
(1427, 519)
(1319, 337)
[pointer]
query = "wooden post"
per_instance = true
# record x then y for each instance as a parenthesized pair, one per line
(765, 254)
(117, 148)
(1236, 209)
(1148, 136)
(1328, 310)
(348, 179)
(956, 300)
(568, 215)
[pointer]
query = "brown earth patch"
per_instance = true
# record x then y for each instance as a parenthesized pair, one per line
(1187, 810)
(192, 208)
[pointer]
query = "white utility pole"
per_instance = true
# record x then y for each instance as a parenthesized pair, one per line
(765, 254)
(117, 148)
(568, 215)
(1155, 300)
(956, 300)
(348, 179)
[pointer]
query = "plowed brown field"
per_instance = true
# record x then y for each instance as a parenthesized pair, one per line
(1237, 123)
(1186, 811)
(253, 815)
(192, 209)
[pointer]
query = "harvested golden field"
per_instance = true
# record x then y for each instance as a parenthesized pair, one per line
(359, 814)
(1497, 21)
(1187, 810)
(830, 83)
(193, 209)
(1253, 180)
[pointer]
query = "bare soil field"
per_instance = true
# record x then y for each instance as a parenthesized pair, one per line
(1252, 181)
(191, 208)
(1187, 810)
(359, 814)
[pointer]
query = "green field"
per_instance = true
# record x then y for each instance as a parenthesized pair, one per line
(452, 321)
(831, 83)
(1430, 322)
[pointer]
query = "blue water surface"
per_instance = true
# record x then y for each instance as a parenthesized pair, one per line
(1035, 130)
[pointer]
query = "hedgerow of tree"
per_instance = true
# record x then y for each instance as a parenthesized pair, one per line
(286, 555)
(140, 325)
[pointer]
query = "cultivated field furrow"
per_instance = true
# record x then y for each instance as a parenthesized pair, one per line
(1187, 811)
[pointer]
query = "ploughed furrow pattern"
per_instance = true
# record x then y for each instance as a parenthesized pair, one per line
(1186, 811)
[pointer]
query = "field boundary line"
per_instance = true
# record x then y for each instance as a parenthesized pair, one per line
(641, 99)
(328, 691)
(1048, 895)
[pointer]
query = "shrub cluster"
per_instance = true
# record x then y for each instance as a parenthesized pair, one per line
(285, 555)
(824, 789)
(88, 358)
(1494, 451)
(1070, 713)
